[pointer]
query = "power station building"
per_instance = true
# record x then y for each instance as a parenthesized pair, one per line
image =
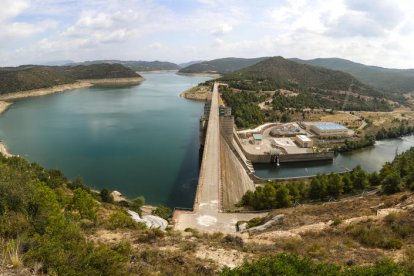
(329, 130)
(304, 141)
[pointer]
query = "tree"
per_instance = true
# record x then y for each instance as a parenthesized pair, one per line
(335, 186)
(316, 189)
(392, 184)
(359, 178)
(374, 179)
(294, 191)
(78, 183)
(106, 196)
(285, 117)
(283, 198)
(347, 183)
(85, 204)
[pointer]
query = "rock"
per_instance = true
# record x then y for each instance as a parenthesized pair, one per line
(149, 220)
(274, 220)
(242, 226)
(118, 197)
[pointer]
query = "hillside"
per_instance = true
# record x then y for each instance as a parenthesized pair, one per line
(222, 65)
(23, 78)
(53, 226)
(278, 72)
(390, 80)
(185, 64)
(141, 66)
(97, 71)
(28, 78)
(280, 89)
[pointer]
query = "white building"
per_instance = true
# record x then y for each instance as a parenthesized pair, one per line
(304, 141)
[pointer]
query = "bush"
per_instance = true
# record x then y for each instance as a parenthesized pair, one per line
(289, 264)
(391, 184)
(78, 183)
(106, 196)
(85, 204)
(163, 212)
(375, 236)
(137, 203)
(119, 219)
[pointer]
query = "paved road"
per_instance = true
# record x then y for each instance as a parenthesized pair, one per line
(207, 216)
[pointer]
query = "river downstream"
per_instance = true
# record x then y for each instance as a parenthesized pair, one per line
(370, 159)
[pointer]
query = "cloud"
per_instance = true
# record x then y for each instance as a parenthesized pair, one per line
(385, 12)
(355, 24)
(156, 46)
(366, 31)
(222, 29)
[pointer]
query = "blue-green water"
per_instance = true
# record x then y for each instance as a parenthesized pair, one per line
(140, 140)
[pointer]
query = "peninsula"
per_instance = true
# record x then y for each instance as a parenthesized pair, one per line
(32, 80)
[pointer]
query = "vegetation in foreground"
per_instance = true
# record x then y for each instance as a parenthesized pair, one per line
(393, 178)
(290, 264)
(50, 225)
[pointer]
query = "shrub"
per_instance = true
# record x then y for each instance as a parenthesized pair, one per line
(336, 222)
(85, 204)
(106, 196)
(289, 264)
(392, 184)
(137, 203)
(78, 183)
(375, 236)
(163, 212)
(119, 219)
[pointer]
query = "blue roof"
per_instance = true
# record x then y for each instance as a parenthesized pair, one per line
(330, 126)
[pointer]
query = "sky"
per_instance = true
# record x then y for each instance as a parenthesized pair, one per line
(374, 32)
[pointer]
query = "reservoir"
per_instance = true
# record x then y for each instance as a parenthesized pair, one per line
(370, 159)
(139, 140)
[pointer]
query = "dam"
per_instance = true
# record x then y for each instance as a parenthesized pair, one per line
(223, 178)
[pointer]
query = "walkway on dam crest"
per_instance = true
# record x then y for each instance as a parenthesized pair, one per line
(207, 215)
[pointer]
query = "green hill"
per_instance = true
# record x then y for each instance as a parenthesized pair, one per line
(98, 71)
(139, 65)
(29, 77)
(277, 72)
(222, 65)
(389, 80)
(314, 86)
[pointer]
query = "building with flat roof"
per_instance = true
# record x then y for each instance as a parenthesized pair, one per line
(304, 141)
(257, 138)
(327, 129)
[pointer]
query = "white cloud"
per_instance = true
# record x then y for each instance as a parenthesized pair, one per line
(222, 29)
(376, 32)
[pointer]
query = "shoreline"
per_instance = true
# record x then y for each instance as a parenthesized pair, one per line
(4, 151)
(6, 100)
(200, 97)
(212, 75)
(65, 87)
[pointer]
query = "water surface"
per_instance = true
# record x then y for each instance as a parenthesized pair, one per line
(140, 140)
(371, 159)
